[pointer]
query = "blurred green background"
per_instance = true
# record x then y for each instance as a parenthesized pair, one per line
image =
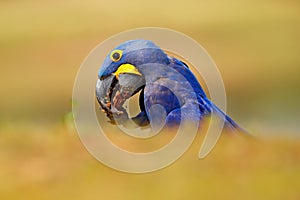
(255, 44)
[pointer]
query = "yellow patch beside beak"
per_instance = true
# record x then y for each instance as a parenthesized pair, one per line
(127, 68)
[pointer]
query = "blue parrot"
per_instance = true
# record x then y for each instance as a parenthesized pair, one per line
(169, 91)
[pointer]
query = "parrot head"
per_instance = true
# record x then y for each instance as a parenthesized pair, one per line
(122, 75)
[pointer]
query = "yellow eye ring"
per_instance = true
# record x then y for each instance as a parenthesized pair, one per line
(116, 55)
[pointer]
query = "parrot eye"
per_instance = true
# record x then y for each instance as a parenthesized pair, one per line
(116, 55)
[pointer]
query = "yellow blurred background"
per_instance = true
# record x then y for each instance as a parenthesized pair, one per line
(255, 44)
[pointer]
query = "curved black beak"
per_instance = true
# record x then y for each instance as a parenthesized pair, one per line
(112, 92)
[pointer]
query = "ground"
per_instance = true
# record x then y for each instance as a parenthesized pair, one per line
(52, 163)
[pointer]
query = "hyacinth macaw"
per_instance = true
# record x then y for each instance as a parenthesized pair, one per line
(141, 66)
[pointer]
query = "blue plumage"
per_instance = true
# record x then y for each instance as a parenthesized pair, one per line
(167, 82)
